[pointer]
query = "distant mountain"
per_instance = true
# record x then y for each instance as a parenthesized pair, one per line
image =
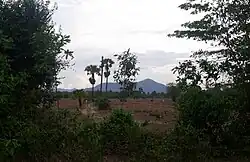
(148, 86)
(66, 90)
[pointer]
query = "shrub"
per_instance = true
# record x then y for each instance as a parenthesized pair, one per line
(53, 136)
(218, 114)
(89, 139)
(102, 103)
(183, 144)
(119, 132)
(122, 136)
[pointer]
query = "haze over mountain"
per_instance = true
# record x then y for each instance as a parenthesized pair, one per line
(148, 86)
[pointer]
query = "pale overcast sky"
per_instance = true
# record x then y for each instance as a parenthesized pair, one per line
(106, 27)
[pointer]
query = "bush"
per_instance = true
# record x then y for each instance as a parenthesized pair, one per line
(184, 144)
(218, 115)
(119, 132)
(55, 135)
(122, 136)
(102, 103)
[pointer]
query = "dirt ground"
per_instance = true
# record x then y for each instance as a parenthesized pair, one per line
(160, 114)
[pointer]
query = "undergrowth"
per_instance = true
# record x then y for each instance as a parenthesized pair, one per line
(62, 135)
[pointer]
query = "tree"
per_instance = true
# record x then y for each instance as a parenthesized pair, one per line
(101, 69)
(153, 95)
(226, 25)
(127, 71)
(141, 92)
(33, 51)
(173, 91)
(80, 94)
(92, 70)
(107, 62)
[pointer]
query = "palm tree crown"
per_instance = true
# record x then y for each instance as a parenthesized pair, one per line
(92, 70)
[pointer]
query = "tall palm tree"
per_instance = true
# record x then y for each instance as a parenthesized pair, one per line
(107, 65)
(92, 70)
(101, 69)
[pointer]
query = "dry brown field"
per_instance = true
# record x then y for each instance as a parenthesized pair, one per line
(160, 114)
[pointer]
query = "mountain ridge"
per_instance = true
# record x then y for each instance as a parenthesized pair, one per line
(148, 86)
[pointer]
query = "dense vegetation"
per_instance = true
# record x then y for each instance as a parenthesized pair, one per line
(213, 119)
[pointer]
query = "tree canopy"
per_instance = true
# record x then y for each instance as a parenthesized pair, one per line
(127, 70)
(32, 53)
(31, 47)
(225, 24)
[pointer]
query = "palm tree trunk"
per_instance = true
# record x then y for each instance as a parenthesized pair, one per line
(101, 75)
(106, 84)
(92, 91)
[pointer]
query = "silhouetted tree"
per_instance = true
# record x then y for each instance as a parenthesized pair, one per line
(107, 62)
(92, 70)
(141, 90)
(101, 70)
(127, 71)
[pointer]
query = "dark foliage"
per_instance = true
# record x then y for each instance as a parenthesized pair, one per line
(102, 103)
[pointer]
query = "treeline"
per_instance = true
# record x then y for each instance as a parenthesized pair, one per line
(114, 95)
(125, 74)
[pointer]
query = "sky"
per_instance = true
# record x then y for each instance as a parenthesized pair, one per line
(106, 27)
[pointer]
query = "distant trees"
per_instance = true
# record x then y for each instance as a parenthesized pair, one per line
(79, 95)
(141, 90)
(127, 70)
(92, 70)
(107, 65)
(173, 91)
(125, 75)
(114, 95)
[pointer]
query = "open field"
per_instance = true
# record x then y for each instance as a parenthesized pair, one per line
(160, 114)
